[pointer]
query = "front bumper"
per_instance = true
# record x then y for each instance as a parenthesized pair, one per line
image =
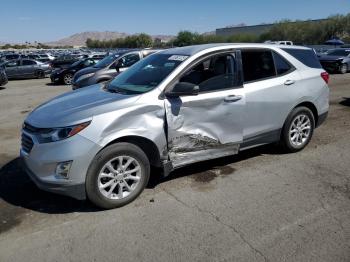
(55, 77)
(3, 80)
(75, 191)
(41, 161)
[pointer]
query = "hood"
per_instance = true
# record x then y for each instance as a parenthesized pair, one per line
(85, 71)
(78, 106)
(331, 58)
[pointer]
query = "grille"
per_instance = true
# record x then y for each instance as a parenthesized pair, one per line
(27, 143)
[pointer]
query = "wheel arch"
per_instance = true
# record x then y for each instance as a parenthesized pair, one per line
(103, 79)
(145, 144)
(310, 106)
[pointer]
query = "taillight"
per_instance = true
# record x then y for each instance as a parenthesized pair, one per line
(325, 77)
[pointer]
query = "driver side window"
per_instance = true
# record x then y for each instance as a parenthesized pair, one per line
(215, 73)
(129, 60)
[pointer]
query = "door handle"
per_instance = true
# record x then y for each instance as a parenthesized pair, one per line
(289, 82)
(232, 98)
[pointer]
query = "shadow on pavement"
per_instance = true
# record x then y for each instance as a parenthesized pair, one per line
(16, 188)
(345, 102)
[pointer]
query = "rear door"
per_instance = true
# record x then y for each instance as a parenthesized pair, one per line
(269, 82)
(208, 125)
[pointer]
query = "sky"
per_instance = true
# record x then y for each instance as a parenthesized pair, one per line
(50, 20)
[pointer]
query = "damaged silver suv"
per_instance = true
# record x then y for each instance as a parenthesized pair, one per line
(171, 109)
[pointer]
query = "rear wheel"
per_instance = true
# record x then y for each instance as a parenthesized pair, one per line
(67, 79)
(343, 68)
(117, 175)
(298, 129)
(40, 74)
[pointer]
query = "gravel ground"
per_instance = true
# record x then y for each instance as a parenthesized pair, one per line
(258, 206)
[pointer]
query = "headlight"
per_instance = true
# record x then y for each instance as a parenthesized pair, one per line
(57, 134)
(84, 76)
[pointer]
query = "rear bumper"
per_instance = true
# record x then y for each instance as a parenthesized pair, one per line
(321, 119)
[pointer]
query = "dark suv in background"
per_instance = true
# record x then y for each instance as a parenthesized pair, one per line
(109, 67)
(336, 60)
(65, 75)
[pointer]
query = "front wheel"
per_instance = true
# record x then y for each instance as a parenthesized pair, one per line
(67, 79)
(117, 175)
(298, 129)
(40, 74)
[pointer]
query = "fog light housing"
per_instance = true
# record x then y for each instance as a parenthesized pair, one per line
(62, 169)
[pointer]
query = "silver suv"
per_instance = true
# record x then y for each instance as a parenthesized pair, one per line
(171, 109)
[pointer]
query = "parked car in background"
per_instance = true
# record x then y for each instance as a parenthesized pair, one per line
(336, 60)
(97, 56)
(171, 109)
(64, 61)
(65, 75)
(25, 68)
(109, 67)
(3, 77)
(279, 42)
(9, 57)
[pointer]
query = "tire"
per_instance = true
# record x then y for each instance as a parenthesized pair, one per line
(296, 133)
(343, 68)
(67, 79)
(40, 74)
(117, 193)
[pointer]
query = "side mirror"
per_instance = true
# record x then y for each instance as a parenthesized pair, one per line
(119, 65)
(183, 89)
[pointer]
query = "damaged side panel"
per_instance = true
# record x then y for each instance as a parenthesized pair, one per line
(203, 127)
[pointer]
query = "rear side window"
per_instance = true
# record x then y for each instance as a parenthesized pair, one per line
(257, 65)
(306, 56)
(282, 66)
(28, 62)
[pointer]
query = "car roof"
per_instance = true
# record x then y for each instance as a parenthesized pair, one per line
(193, 49)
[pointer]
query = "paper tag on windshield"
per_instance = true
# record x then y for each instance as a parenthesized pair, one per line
(178, 57)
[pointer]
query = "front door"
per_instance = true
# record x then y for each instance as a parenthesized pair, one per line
(208, 125)
(27, 68)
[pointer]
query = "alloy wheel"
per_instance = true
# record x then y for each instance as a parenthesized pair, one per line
(300, 130)
(119, 177)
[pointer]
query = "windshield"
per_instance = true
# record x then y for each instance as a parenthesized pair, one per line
(106, 61)
(146, 74)
(343, 52)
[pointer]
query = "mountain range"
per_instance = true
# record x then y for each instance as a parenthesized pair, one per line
(79, 39)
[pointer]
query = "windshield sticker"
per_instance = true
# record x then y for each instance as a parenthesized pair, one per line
(178, 57)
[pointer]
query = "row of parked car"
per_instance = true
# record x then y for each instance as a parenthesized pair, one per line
(84, 69)
(72, 69)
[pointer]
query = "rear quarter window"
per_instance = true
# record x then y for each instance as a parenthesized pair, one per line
(305, 56)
